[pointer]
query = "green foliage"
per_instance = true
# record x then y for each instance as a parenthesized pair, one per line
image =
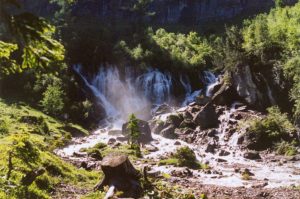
(186, 157)
(160, 189)
(273, 39)
(53, 100)
(271, 129)
(285, 148)
(4, 127)
(34, 41)
(134, 131)
(7, 64)
(189, 50)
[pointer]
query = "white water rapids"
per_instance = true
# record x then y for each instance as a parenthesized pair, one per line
(121, 97)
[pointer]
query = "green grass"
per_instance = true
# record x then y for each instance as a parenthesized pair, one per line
(22, 136)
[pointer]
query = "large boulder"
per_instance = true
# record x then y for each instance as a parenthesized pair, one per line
(169, 132)
(144, 128)
(207, 117)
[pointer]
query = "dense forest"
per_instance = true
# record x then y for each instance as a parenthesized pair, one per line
(46, 103)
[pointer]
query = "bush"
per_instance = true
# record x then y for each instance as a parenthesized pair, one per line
(270, 130)
(4, 127)
(186, 157)
(53, 100)
(285, 148)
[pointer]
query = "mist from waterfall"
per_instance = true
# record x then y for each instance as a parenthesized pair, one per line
(121, 97)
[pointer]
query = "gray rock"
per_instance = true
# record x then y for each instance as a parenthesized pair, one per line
(224, 153)
(207, 117)
(169, 132)
(252, 155)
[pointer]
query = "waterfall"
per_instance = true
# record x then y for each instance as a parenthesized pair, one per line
(108, 107)
(211, 81)
(122, 96)
(155, 85)
(189, 95)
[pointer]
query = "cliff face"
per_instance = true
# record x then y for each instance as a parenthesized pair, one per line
(166, 11)
(175, 11)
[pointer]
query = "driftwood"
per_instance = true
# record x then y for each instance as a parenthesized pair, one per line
(120, 175)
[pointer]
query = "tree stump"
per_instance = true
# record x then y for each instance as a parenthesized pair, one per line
(120, 174)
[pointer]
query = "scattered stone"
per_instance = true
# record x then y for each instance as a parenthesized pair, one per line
(151, 148)
(212, 133)
(224, 153)
(211, 148)
(114, 132)
(252, 155)
(220, 160)
(188, 124)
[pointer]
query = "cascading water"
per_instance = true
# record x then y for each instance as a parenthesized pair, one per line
(212, 81)
(156, 85)
(189, 96)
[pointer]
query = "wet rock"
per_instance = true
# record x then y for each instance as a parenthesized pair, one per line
(188, 124)
(207, 118)
(177, 143)
(185, 131)
(158, 127)
(211, 147)
(144, 128)
(174, 120)
(114, 132)
(182, 173)
(111, 141)
(187, 115)
(252, 155)
(162, 109)
(169, 132)
(122, 139)
(259, 185)
(220, 160)
(79, 154)
(151, 148)
(224, 153)
(212, 133)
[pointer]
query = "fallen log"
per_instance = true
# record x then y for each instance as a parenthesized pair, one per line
(120, 175)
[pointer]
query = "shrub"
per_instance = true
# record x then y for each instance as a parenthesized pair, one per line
(53, 100)
(271, 129)
(4, 127)
(186, 157)
(285, 148)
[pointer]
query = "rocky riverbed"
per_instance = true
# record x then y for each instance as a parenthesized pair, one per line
(218, 141)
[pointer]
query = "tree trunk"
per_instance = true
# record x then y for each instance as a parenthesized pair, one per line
(120, 173)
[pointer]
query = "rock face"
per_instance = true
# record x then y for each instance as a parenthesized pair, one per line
(186, 12)
(178, 11)
(120, 174)
(144, 129)
(245, 87)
